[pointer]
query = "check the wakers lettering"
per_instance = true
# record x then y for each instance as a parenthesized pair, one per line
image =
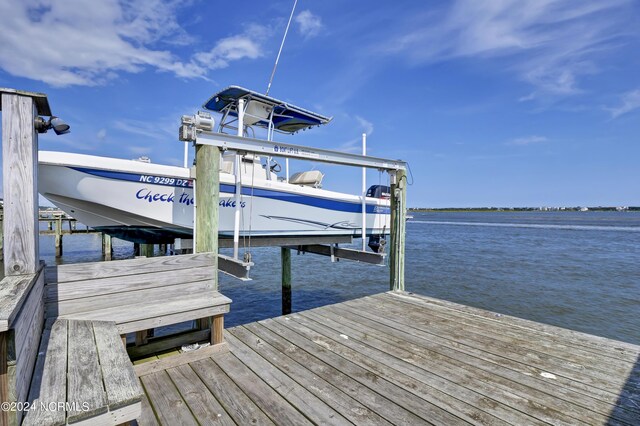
(152, 196)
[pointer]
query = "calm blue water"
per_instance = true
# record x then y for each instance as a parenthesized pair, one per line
(578, 270)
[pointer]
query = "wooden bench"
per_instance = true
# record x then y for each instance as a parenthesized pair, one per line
(140, 294)
(83, 375)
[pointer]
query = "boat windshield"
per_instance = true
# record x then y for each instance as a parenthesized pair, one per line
(262, 111)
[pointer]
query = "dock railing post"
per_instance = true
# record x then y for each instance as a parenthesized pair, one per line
(19, 182)
(206, 226)
(20, 225)
(398, 221)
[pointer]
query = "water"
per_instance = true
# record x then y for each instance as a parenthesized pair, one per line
(578, 270)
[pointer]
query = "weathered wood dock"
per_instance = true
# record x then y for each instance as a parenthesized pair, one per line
(397, 358)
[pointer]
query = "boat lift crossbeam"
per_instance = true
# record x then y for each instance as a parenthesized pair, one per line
(190, 133)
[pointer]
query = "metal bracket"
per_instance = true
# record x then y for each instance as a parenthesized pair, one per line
(234, 267)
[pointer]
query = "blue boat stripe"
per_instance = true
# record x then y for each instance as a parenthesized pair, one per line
(308, 200)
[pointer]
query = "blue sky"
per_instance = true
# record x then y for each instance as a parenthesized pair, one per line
(493, 103)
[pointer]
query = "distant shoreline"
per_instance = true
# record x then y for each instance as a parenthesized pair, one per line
(523, 209)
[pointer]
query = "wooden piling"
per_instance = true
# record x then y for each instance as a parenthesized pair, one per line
(398, 221)
(1, 236)
(147, 250)
(19, 178)
(58, 237)
(107, 249)
(286, 280)
(207, 195)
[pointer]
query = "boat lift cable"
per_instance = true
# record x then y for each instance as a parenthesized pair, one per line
(410, 174)
(281, 46)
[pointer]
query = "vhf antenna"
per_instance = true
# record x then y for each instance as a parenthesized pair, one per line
(281, 46)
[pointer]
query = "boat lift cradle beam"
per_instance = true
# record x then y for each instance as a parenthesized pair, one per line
(338, 253)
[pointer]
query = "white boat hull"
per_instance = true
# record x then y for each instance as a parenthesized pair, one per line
(154, 203)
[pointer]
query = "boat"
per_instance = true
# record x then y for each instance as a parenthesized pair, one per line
(139, 201)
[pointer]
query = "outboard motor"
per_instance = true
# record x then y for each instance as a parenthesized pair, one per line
(377, 243)
(379, 191)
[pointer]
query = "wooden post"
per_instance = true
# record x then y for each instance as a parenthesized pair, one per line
(1, 236)
(398, 221)
(142, 336)
(107, 249)
(147, 250)
(206, 223)
(286, 280)
(207, 195)
(19, 182)
(58, 237)
(217, 330)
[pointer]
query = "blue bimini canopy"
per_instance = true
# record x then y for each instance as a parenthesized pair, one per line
(261, 110)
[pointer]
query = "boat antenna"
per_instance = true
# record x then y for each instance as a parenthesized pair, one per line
(281, 46)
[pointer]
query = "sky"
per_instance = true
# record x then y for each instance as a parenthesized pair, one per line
(495, 103)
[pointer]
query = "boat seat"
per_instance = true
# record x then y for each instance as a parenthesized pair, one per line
(309, 178)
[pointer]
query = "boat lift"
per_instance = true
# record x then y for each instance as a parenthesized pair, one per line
(199, 130)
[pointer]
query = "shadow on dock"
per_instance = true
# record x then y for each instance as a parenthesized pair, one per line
(629, 399)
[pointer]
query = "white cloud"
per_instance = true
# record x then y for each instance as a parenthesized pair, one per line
(102, 134)
(148, 129)
(547, 43)
(367, 126)
(139, 150)
(527, 140)
(75, 42)
(246, 45)
(630, 101)
(309, 25)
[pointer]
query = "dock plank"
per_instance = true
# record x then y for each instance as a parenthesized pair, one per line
(512, 356)
(449, 397)
(167, 403)
(48, 384)
(279, 409)
(375, 402)
(394, 358)
(518, 381)
(119, 379)
(147, 416)
(598, 343)
(506, 392)
(376, 380)
(347, 406)
(85, 390)
(566, 366)
(239, 406)
(547, 344)
(201, 402)
(307, 402)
